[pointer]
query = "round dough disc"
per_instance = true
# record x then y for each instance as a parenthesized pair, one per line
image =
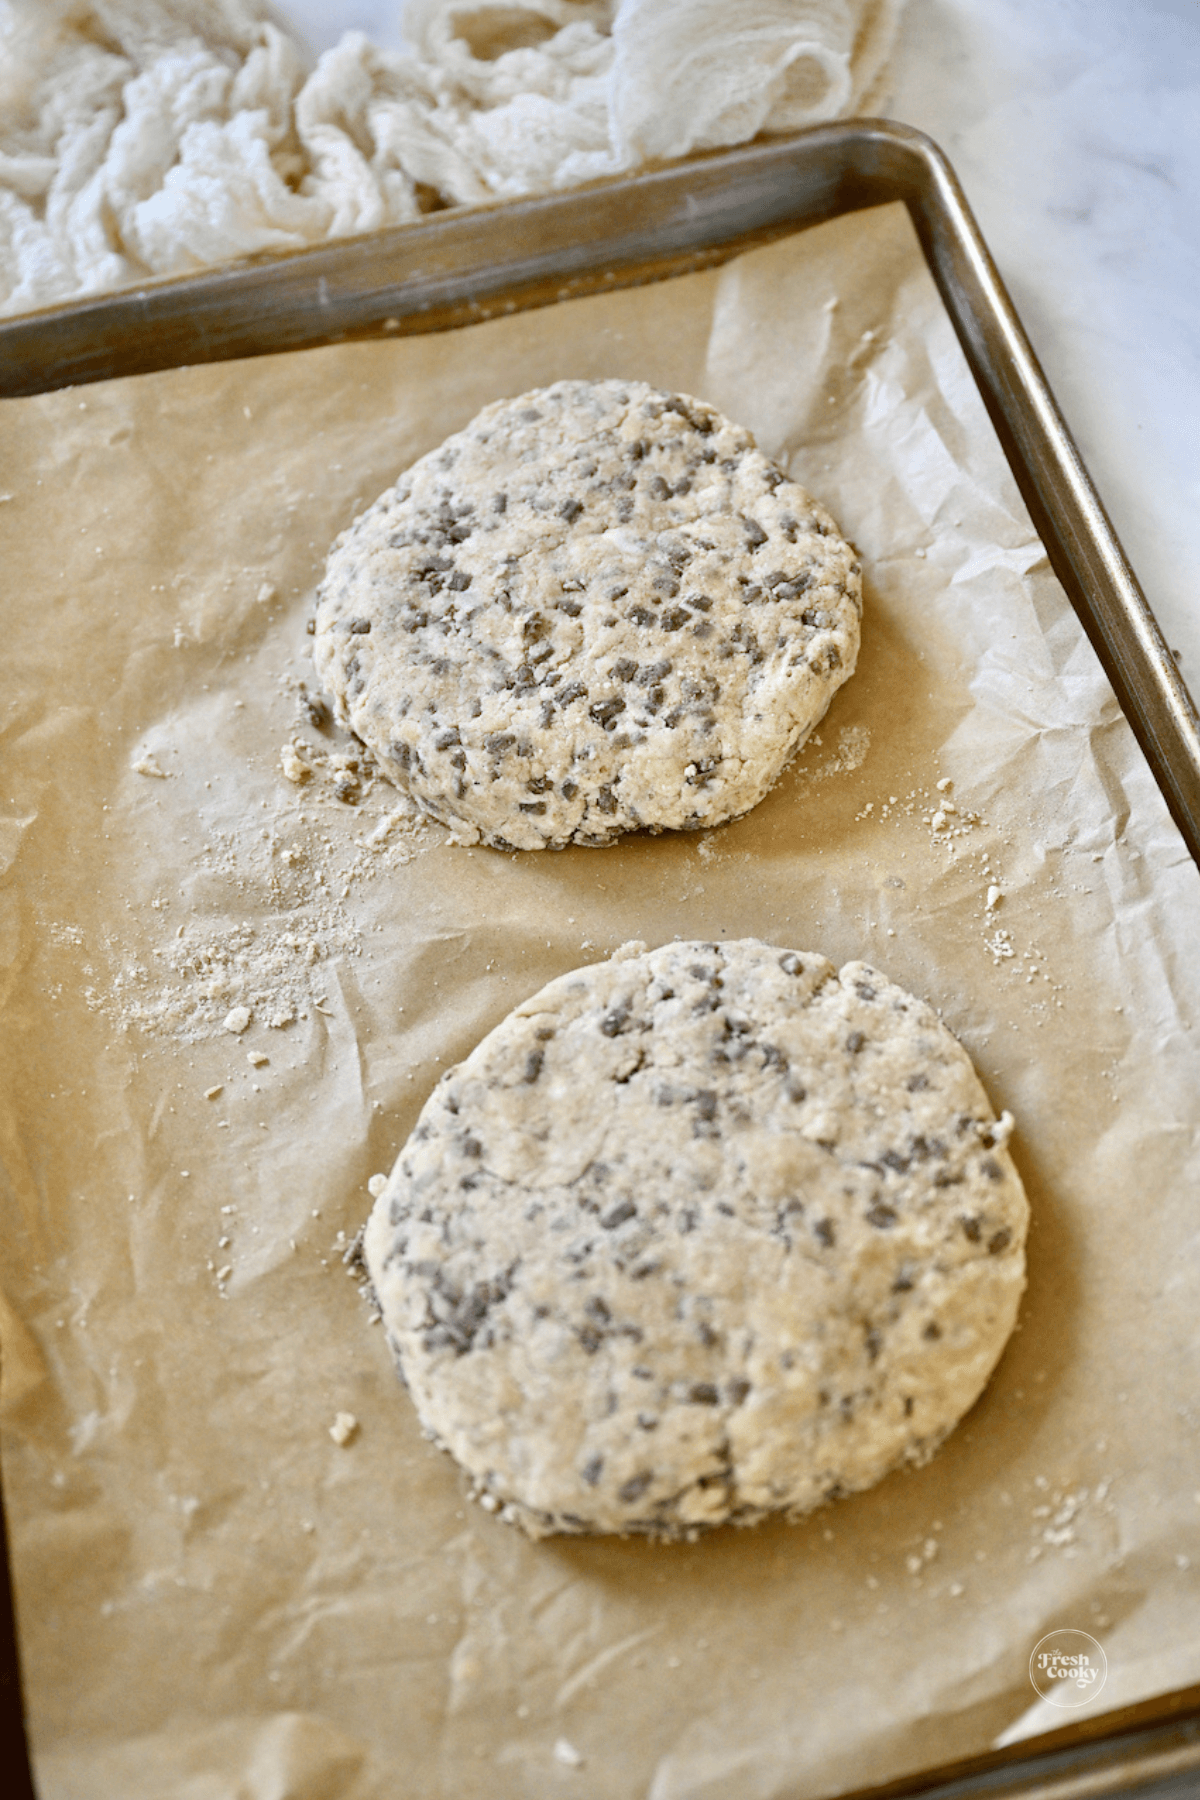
(698, 1235)
(598, 608)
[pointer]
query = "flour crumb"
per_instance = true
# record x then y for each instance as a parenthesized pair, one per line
(566, 1753)
(853, 742)
(148, 765)
(920, 1559)
(376, 1185)
(279, 885)
(994, 897)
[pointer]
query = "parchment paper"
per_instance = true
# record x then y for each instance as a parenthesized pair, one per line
(215, 1598)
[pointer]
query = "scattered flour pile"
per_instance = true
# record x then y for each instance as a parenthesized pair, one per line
(154, 137)
(289, 892)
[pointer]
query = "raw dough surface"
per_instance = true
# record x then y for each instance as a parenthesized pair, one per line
(699, 1235)
(597, 608)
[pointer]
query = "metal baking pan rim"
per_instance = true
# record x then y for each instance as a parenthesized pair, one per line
(463, 266)
(458, 267)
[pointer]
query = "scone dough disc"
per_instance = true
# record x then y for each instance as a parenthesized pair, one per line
(697, 1235)
(597, 608)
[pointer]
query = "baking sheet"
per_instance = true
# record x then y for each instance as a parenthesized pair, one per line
(214, 1597)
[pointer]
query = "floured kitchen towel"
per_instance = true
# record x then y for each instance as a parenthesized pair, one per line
(143, 137)
(692, 74)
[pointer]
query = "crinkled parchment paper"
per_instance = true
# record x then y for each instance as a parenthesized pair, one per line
(215, 1597)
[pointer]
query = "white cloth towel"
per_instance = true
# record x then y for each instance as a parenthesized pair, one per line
(150, 137)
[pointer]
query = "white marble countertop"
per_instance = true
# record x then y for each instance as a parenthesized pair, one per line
(1074, 126)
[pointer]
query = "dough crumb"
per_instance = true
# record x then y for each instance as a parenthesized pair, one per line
(1003, 1129)
(565, 1752)
(147, 765)
(343, 1429)
(294, 765)
(212, 1092)
(257, 1058)
(237, 1020)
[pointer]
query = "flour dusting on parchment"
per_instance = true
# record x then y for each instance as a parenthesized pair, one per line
(288, 886)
